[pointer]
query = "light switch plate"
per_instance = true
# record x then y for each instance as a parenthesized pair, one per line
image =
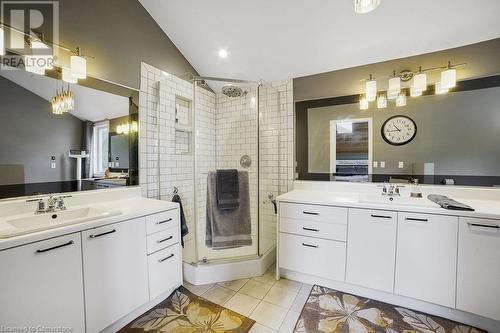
(382, 164)
(53, 165)
(375, 164)
(401, 165)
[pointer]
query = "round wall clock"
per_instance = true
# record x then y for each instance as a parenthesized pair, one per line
(399, 130)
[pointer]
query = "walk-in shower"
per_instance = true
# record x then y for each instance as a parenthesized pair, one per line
(237, 126)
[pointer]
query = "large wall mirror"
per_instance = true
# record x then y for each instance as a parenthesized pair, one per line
(452, 138)
(93, 146)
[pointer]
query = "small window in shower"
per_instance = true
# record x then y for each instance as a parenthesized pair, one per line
(183, 126)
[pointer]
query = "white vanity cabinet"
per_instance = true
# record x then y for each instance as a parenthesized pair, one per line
(371, 248)
(478, 281)
(426, 257)
(115, 272)
(41, 284)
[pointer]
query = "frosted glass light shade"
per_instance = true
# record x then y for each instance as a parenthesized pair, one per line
(394, 86)
(363, 103)
(79, 67)
(392, 95)
(439, 89)
(381, 101)
(415, 92)
(420, 82)
(449, 78)
(31, 64)
(2, 44)
(365, 6)
(371, 90)
(68, 76)
(401, 99)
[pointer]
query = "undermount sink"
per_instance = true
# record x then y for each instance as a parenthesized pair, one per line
(31, 223)
(395, 200)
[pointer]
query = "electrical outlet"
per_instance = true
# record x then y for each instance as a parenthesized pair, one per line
(401, 165)
(375, 164)
(382, 164)
(53, 165)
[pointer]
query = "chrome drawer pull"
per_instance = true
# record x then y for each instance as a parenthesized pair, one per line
(310, 229)
(166, 258)
(310, 245)
(484, 225)
(55, 247)
(103, 234)
(310, 213)
(416, 219)
(167, 220)
(381, 216)
(164, 240)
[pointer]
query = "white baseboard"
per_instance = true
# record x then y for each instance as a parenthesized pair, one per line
(218, 272)
(489, 325)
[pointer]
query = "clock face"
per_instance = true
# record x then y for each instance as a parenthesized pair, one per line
(399, 130)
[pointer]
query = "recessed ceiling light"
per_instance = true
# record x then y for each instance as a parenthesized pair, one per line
(223, 53)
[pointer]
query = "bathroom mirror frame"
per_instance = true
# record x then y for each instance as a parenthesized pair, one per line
(107, 86)
(302, 139)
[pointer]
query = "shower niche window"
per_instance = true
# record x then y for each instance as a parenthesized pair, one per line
(183, 126)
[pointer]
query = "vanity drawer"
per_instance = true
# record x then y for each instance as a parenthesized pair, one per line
(316, 213)
(163, 239)
(333, 231)
(314, 256)
(164, 270)
(161, 221)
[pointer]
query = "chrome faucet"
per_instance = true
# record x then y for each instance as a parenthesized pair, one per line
(53, 204)
(391, 190)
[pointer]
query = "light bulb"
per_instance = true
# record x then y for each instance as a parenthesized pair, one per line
(371, 90)
(449, 78)
(78, 67)
(363, 103)
(381, 101)
(420, 82)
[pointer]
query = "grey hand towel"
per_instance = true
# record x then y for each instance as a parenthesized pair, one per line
(448, 203)
(184, 227)
(228, 228)
(228, 189)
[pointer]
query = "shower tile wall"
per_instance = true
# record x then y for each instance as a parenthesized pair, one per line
(161, 166)
(225, 129)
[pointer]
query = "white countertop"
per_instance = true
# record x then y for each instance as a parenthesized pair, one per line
(488, 209)
(130, 207)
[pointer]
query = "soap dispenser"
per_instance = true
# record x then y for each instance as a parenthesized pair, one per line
(415, 190)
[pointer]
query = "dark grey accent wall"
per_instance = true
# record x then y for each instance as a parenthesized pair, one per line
(482, 60)
(458, 131)
(30, 134)
(120, 34)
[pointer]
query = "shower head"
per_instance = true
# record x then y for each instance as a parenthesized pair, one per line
(233, 91)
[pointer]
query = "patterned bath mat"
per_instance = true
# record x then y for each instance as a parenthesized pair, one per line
(184, 312)
(332, 311)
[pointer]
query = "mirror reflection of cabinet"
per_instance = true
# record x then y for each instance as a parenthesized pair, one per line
(119, 151)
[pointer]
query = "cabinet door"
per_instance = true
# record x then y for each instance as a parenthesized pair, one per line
(41, 284)
(115, 272)
(371, 248)
(478, 281)
(165, 270)
(426, 257)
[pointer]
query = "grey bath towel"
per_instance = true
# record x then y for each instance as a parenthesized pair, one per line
(448, 203)
(228, 189)
(228, 228)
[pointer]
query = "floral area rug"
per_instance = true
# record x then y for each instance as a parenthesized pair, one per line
(184, 312)
(328, 310)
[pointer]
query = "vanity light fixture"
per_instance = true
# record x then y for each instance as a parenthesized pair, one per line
(401, 99)
(67, 76)
(382, 101)
(365, 6)
(449, 77)
(78, 65)
(363, 103)
(439, 89)
(371, 89)
(394, 86)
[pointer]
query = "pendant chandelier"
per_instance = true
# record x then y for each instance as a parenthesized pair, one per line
(63, 101)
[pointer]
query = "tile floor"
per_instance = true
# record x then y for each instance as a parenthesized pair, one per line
(274, 305)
